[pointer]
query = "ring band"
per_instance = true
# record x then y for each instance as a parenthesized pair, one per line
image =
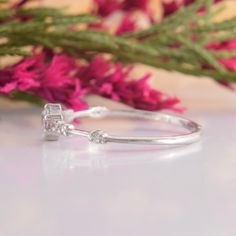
(58, 122)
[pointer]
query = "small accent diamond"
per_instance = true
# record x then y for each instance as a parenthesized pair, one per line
(98, 136)
(65, 128)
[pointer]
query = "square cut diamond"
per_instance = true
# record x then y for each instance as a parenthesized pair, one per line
(52, 109)
(51, 116)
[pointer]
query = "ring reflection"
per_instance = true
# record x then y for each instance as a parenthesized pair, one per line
(73, 154)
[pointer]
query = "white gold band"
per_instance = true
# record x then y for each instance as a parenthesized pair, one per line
(57, 122)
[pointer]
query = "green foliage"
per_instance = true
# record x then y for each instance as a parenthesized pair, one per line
(8, 50)
(27, 97)
(48, 27)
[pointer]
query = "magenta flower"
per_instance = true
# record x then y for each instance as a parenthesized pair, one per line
(135, 5)
(127, 25)
(125, 8)
(61, 78)
(113, 81)
(51, 81)
(19, 3)
(7, 85)
(106, 7)
(225, 45)
(228, 63)
(172, 6)
(230, 45)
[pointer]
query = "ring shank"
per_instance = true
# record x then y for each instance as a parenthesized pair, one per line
(193, 129)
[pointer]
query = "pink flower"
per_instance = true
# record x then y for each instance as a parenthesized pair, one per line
(223, 46)
(230, 45)
(19, 3)
(97, 26)
(6, 83)
(171, 7)
(18, 76)
(107, 7)
(51, 80)
(61, 78)
(125, 8)
(228, 63)
(135, 5)
(112, 81)
(127, 25)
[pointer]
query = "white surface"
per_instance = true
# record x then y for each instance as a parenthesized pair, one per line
(70, 188)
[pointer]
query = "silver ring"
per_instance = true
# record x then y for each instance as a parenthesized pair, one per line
(57, 122)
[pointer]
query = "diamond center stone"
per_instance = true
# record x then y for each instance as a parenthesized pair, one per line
(51, 118)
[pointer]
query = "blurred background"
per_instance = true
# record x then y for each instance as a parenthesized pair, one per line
(200, 93)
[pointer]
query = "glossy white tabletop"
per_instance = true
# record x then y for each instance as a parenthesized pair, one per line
(69, 187)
